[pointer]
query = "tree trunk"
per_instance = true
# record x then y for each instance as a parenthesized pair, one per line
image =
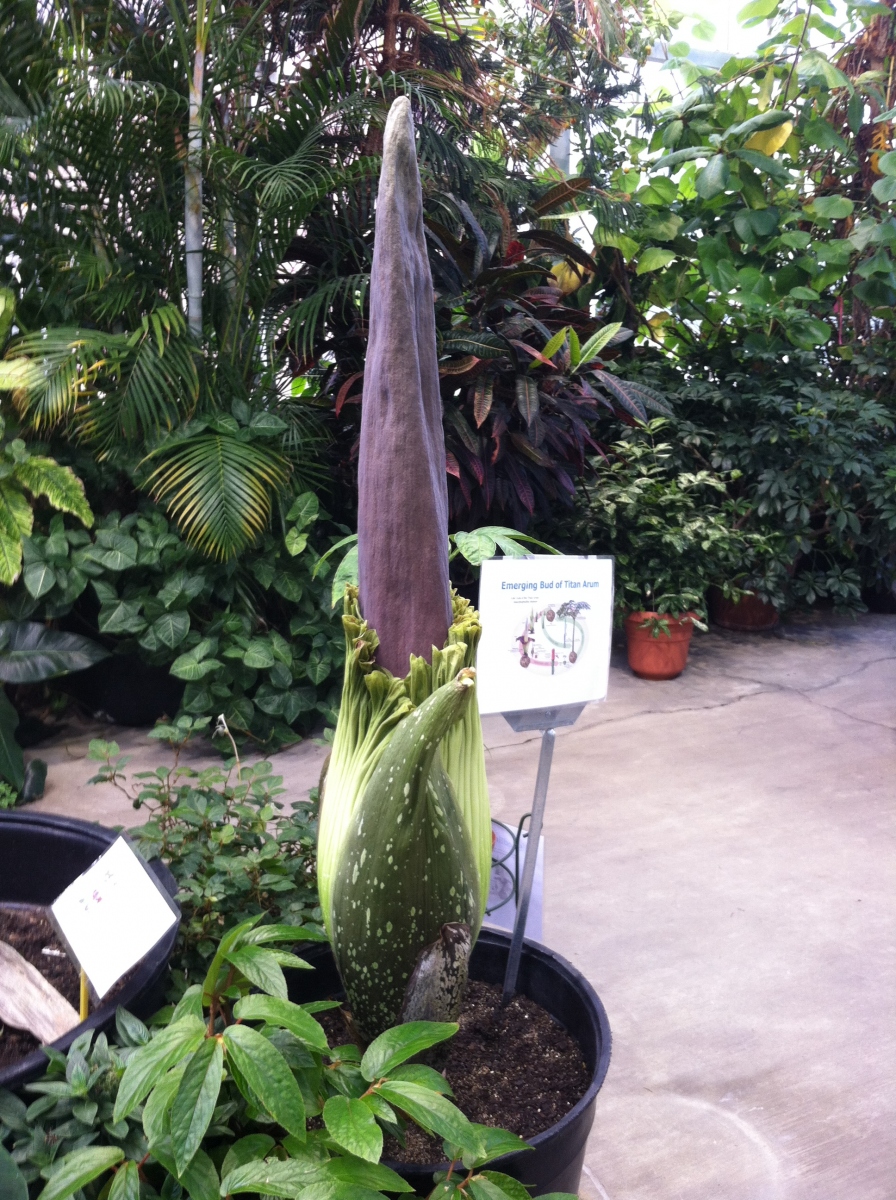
(193, 195)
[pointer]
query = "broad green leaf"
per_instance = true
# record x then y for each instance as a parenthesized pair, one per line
(10, 557)
(149, 1063)
(126, 1184)
(284, 1013)
(552, 346)
(39, 579)
(200, 1179)
(602, 338)
(272, 1178)
(282, 933)
(402, 1042)
(482, 1188)
(259, 654)
(832, 208)
(260, 967)
(426, 1076)
(228, 942)
(887, 163)
(12, 1181)
(475, 546)
(714, 178)
(677, 157)
(79, 1168)
(575, 348)
(433, 1112)
(12, 763)
(122, 616)
(757, 10)
(483, 345)
(187, 667)
(171, 628)
(191, 1113)
(157, 1109)
(248, 1149)
(653, 258)
(770, 119)
(813, 63)
(295, 541)
(884, 189)
(353, 1126)
(512, 1188)
(346, 573)
(367, 1175)
(266, 1072)
(304, 510)
(498, 1142)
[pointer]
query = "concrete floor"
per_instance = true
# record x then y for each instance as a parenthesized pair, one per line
(720, 865)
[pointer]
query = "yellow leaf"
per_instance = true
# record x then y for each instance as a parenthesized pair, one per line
(568, 278)
(769, 141)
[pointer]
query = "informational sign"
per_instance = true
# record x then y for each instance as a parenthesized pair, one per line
(112, 915)
(547, 622)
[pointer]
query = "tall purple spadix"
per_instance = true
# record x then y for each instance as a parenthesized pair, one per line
(403, 495)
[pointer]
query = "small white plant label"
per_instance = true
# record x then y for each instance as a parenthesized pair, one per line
(112, 915)
(547, 622)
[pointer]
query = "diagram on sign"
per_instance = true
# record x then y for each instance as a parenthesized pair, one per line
(546, 624)
(553, 639)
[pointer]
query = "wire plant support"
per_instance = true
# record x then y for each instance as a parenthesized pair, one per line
(547, 720)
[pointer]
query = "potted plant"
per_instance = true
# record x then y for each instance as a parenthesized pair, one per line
(672, 538)
(404, 846)
(40, 855)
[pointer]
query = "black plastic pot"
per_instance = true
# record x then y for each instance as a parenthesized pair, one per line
(555, 1162)
(40, 855)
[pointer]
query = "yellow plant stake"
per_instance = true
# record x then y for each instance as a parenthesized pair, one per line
(85, 998)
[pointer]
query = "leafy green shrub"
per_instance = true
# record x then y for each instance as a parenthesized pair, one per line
(670, 529)
(216, 1099)
(808, 469)
(250, 637)
(227, 840)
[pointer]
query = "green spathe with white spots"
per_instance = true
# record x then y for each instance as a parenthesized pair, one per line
(407, 865)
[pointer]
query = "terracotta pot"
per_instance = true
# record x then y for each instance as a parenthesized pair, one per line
(747, 615)
(662, 657)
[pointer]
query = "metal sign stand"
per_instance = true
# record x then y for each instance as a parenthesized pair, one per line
(547, 720)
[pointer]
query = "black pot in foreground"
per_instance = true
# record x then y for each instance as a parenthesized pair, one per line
(40, 855)
(555, 1162)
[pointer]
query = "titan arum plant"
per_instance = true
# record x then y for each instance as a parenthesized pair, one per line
(405, 833)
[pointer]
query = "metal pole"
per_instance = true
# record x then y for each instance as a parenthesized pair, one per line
(522, 910)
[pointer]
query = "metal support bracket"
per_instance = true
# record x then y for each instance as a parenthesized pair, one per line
(546, 720)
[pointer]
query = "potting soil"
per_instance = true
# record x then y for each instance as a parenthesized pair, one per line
(512, 1067)
(27, 929)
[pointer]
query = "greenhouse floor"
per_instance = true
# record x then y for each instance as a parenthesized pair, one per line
(719, 863)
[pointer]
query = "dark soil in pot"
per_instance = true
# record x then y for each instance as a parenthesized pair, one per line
(28, 930)
(40, 855)
(512, 1067)
(573, 1033)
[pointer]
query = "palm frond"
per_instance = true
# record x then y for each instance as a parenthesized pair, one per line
(219, 489)
(56, 368)
(303, 320)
